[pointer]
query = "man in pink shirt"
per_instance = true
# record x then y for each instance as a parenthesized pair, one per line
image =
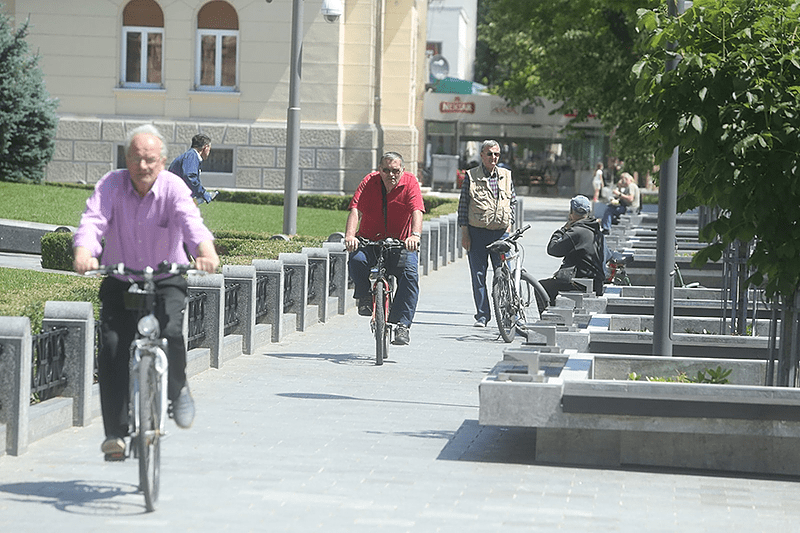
(141, 216)
(387, 203)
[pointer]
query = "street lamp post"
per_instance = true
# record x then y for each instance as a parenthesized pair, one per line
(331, 11)
(292, 182)
(665, 240)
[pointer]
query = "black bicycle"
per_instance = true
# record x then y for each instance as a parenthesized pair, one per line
(510, 296)
(147, 408)
(382, 294)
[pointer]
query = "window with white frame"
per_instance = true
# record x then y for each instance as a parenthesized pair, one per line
(142, 64)
(217, 61)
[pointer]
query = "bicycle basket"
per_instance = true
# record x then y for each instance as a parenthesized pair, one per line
(138, 300)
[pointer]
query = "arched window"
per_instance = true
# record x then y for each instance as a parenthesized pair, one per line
(142, 45)
(217, 47)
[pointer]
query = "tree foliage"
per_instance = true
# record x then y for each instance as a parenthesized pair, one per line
(27, 113)
(579, 52)
(732, 107)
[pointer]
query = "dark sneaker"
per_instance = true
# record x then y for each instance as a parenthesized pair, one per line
(113, 448)
(183, 408)
(400, 335)
(365, 306)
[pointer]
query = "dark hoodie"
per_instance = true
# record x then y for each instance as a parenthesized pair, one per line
(581, 245)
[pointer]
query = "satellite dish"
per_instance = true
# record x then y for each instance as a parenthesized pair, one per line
(439, 67)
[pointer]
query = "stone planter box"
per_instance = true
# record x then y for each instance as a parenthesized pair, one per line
(588, 413)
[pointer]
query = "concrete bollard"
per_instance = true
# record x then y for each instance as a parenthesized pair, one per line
(16, 354)
(78, 318)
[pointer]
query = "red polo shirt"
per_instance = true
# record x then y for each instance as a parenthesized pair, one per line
(401, 202)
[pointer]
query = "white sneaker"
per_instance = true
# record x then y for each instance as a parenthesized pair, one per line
(480, 323)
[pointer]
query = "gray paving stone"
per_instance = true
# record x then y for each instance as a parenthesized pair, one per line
(308, 434)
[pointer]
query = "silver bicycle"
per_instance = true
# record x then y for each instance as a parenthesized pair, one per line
(511, 297)
(148, 366)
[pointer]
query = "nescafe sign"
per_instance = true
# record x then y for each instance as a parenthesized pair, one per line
(457, 106)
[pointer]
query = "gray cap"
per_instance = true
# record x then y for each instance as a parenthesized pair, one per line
(580, 204)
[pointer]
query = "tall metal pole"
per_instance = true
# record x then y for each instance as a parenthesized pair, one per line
(665, 243)
(292, 182)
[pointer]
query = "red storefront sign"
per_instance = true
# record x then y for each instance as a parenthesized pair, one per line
(457, 106)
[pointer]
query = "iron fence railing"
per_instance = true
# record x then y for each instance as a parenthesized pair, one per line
(231, 319)
(48, 371)
(197, 314)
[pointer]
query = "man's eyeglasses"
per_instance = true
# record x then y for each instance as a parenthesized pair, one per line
(393, 171)
(493, 154)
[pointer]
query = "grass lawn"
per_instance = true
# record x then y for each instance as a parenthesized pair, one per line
(64, 206)
(23, 292)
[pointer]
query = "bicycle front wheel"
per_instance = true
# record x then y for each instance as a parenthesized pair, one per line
(382, 329)
(503, 305)
(534, 288)
(148, 439)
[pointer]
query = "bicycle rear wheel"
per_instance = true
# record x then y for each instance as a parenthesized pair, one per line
(382, 329)
(503, 306)
(148, 439)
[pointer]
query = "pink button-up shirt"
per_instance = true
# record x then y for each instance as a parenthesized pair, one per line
(140, 231)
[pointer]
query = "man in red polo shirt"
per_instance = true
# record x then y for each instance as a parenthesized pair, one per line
(387, 203)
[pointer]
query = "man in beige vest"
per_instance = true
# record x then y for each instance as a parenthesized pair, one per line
(485, 213)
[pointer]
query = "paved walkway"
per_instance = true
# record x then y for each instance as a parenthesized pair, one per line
(309, 435)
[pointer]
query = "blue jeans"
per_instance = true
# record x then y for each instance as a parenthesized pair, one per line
(478, 257)
(401, 264)
(610, 212)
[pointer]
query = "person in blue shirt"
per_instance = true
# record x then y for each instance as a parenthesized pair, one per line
(187, 166)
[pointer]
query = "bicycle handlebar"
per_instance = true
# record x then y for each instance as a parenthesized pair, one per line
(163, 268)
(388, 242)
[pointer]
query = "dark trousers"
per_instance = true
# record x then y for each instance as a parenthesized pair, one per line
(118, 330)
(478, 257)
(401, 264)
(553, 286)
(610, 212)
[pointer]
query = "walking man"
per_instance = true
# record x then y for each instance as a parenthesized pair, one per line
(485, 213)
(187, 166)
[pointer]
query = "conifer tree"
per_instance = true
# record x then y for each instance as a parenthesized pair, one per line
(27, 113)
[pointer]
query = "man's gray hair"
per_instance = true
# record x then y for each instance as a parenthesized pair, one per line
(489, 143)
(392, 156)
(147, 129)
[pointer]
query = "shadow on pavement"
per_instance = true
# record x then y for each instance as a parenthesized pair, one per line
(321, 396)
(81, 497)
(491, 444)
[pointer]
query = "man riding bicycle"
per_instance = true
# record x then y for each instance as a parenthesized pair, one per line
(141, 216)
(387, 203)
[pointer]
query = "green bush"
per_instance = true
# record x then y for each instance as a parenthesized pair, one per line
(57, 251)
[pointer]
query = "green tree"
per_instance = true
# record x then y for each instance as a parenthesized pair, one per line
(578, 52)
(732, 107)
(27, 113)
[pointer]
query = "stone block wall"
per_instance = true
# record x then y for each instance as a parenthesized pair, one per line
(333, 158)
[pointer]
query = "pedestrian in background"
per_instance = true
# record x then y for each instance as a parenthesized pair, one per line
(187, 166)
(485, 213)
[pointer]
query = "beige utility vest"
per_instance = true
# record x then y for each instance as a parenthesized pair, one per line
(486, 211)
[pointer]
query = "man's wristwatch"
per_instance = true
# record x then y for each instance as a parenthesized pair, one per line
(416, 234)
